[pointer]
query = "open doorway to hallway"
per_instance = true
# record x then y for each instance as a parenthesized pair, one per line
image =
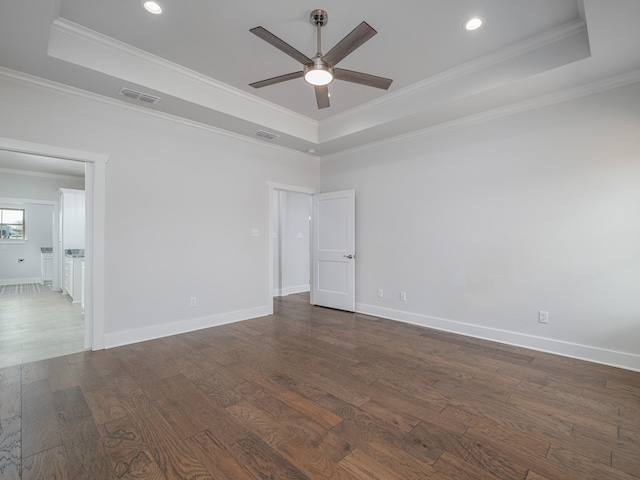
(38, 318)
(291, 228)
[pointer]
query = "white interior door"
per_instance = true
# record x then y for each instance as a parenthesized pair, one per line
(333, 250)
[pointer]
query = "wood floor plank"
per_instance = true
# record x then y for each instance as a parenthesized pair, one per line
(580, 416)
(280, 411)
(10, 447)
(83, 450)
(39, 424)
(534, 476)
(48, 464)
(315, 459)
(10, 395)
(61, 374)
(626, 458)
(373, 464)
(260, 424)
(316, 393)
(218, 458)
(585, 466)
(485, 455)
(457, 468)
(173, 456)
(128, 456)
(264, 461)
(34, 371)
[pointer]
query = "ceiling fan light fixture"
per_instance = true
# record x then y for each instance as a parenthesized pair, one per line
(152, 6)
(473, 24)
(318, 75)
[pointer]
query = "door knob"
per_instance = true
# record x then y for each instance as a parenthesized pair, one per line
(349, 256)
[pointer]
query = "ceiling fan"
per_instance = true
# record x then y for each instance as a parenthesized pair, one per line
(321, 70)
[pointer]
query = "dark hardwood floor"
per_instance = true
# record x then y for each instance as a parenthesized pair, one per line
(319, 394)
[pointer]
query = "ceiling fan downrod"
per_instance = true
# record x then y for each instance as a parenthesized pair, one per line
(319, 19)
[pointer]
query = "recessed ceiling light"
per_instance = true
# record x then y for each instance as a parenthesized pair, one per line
(473, 23)
(152, 6)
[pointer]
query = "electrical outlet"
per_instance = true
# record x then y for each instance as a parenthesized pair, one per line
(380, 293)
(193, 302)
(403, 296)
(543, 317)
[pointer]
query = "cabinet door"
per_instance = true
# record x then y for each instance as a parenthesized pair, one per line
(47, 270)
(68, 276)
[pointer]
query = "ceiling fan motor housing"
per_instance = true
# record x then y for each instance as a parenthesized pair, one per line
(319, 17)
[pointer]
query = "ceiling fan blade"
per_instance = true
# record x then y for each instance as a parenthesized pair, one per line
(322, 96)
(278, 79)
(348, 44)
(269, 37)
(362, 78)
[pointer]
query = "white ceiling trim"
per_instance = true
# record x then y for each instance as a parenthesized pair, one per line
(487, 72)
(526, 105)
(31, 173)
(81, 46)
(570, 29)
(59, 88)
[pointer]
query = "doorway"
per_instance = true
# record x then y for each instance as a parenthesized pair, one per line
(291, 243)
(36, 320)
(289, 240)
(94, 164)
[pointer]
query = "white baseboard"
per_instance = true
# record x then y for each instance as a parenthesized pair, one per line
(20, 281)
(283, 292)
(183, 326)
(612, 358)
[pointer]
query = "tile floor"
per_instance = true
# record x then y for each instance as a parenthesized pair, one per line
(38, 326)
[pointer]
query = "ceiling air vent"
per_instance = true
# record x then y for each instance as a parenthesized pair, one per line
(135, 95)
(265, 135)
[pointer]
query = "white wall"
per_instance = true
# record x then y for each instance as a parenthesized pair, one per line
(485, 225)
(39, 233)
(180, 205)
(291, 245)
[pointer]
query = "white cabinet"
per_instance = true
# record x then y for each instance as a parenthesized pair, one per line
(73, 281)
(71, 231)
(72, 218)
(46, 267)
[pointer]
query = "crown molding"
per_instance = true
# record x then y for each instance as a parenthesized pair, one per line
(82, 46)
(31, 173)
(32, 81)
(66, 26)
(515, 108)
(26, 201)
(569, 29)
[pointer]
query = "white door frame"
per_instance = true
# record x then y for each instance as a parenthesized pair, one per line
(95, 228)
(271, 187)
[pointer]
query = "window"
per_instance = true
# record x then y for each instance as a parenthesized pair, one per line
(11, 223)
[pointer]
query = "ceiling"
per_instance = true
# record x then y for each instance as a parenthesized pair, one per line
(199, 58)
